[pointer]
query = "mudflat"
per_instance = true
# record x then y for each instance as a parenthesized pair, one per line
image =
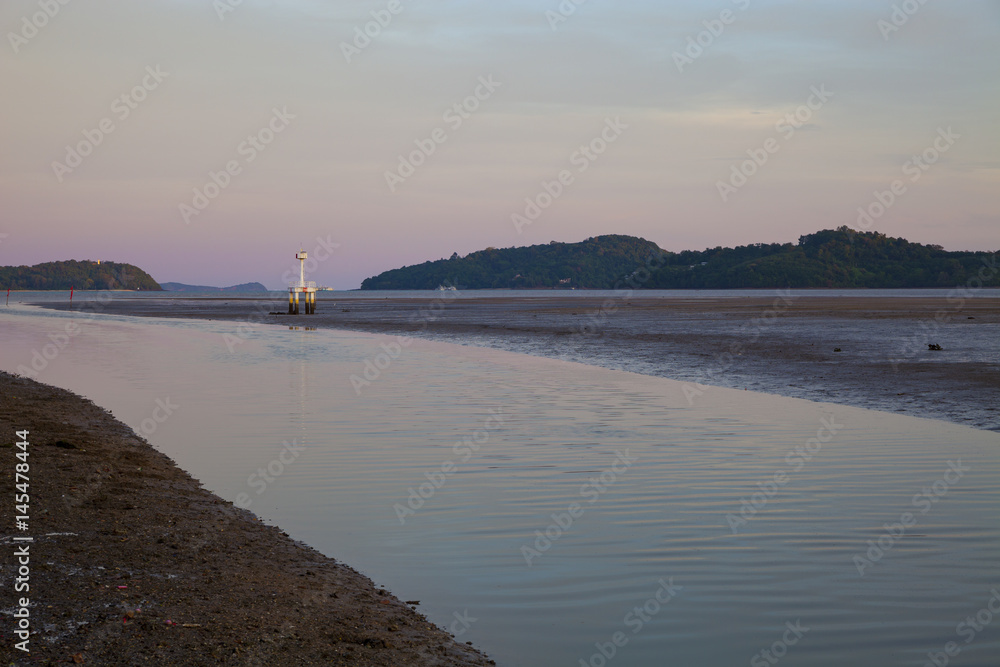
(133, 562)
(866, 351)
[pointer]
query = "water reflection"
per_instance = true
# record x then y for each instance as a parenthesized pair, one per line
(498, 448)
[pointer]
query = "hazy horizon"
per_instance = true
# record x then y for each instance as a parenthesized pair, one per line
(116, 113)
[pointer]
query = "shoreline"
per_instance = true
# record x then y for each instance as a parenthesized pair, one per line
(863, 351)
(133, 561)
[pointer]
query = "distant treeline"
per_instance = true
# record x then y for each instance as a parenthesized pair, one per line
(85, 275)
(841, 258)
(243, 288)
(597, 262)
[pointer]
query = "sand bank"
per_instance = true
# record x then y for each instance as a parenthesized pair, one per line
(865, 351)
(133, 562)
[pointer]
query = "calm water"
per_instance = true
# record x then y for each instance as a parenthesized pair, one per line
(653, 474)
(37, 297)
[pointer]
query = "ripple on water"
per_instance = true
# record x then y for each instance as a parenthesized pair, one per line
(676, 513)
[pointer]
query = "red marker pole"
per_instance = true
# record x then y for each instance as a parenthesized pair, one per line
(70, 296)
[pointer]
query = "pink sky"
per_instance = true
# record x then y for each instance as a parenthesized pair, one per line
(304, 123)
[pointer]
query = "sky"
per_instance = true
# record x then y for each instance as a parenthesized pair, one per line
(207, 141)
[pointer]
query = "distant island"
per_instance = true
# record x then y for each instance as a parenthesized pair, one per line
(244, 288)
(81, 275)
(597, 262)
(834, 258)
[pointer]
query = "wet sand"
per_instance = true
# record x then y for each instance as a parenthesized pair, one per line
(863, 351)
(133, 562)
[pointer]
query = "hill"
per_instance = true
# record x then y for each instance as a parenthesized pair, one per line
(85, 275)
(595, 263)
(244, 288)
(840, 258)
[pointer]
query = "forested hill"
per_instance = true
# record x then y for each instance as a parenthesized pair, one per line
(840, 258)
(596, 263)
(85, 275)
(244, 288)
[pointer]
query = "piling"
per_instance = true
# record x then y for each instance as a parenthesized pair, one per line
(306, 288)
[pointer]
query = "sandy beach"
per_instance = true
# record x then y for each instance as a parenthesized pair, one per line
(133, 562)
(865, 351)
